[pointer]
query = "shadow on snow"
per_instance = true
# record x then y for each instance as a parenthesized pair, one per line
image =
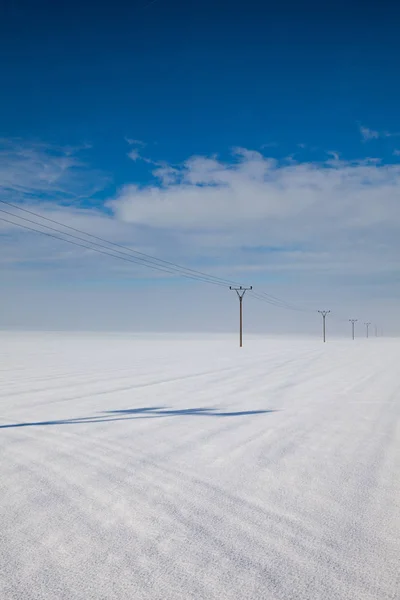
(151, 412)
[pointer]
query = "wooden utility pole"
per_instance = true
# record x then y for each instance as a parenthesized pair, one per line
(352, 321)
(241, 292)
(324, 313)
(367, 326)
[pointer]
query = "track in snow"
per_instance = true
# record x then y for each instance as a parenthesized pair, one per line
(174, 468)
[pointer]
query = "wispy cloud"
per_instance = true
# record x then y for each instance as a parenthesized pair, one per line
(43, 171)
(269, 145)
(368, 134)
(54, 182)
(134, 154)
(334, 155)
(133, 142)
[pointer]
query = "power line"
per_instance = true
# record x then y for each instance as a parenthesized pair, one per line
(287, 304)
(158, 264)
(142, 256)
(126, 259)
(138, 257)
(94, 246)
(205, 278)
(271, 302)
(154, 263)
(276, 302)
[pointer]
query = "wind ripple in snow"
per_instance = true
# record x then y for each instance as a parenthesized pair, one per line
(190, 469)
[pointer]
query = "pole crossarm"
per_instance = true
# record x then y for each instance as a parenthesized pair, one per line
(240, 290)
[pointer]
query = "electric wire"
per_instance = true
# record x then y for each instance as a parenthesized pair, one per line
(135, 256)
(147, 258)
(125, 258)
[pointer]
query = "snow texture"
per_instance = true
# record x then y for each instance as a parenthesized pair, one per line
(170, 468)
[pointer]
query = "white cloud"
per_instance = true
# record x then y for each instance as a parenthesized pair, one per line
(337, 215)
(256, 191)
(331, 227)
(341, 217)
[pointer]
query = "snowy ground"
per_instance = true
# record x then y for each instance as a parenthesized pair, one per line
(163, 469)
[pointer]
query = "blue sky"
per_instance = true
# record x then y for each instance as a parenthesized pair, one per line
(199, 78)
(118, 110)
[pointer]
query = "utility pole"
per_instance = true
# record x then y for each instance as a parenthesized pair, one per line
(241, 292)
(324, 313)
(376, 331)
(367, 326)
(353, 321)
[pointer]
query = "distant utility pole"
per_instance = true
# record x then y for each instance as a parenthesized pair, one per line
(353, 321)
(241, 292)
(376, 331)
(367, 326)
(324, 313)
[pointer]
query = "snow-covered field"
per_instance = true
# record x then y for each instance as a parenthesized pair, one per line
(176, 468)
